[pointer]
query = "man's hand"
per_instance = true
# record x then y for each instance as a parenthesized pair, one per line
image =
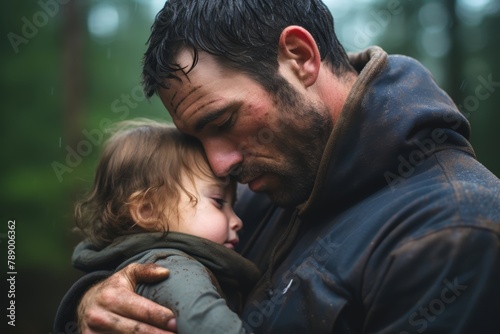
(112, 306)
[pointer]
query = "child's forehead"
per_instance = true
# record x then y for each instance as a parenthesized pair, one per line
(222, 185)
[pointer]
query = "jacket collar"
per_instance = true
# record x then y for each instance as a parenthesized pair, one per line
(393, 107)
(227, 265)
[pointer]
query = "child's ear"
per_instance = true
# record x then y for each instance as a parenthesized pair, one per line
(143, 214)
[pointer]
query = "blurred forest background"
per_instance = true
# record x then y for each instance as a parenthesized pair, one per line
(70, 67)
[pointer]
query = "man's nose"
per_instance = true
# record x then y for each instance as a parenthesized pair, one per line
(223, 156)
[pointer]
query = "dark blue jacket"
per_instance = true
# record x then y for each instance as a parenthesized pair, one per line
(401, 233)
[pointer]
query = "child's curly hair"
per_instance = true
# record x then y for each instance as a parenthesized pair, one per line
(142, 160)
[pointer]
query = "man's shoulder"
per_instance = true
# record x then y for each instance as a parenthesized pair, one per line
(444, 194)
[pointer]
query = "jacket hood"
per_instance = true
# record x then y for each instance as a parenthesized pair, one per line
(227, 265)
(395, 109)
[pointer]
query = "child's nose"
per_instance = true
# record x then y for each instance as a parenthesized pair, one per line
(235, 224)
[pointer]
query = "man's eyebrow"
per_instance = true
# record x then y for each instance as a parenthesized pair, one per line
(209, 117)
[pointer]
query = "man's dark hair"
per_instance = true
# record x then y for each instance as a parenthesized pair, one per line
(241, 34)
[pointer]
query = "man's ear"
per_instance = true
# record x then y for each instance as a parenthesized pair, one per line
(142, 212)
(299, 53)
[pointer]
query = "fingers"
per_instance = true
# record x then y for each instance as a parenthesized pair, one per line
(122, 325)
(145, 273)
(140, 309)
(112, 306)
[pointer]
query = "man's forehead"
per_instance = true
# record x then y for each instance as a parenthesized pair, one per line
(195, 86)
(176, 91)
(184, 86)
(180, 95)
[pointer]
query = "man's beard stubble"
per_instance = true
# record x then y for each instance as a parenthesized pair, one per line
(301, 138)
(303, 147)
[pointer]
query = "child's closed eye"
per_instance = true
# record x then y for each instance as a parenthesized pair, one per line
(219, 202)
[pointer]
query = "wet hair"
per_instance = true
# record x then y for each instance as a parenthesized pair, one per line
(242, 35)
(143, 160)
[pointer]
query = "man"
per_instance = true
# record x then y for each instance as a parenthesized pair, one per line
(381, 219)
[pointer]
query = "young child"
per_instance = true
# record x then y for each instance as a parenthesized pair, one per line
(156, 200)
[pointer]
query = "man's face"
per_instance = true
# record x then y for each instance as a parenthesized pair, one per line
(273, 142)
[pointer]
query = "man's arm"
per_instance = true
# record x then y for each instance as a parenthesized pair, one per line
(65, 320)
(112, 306)
(443, 282)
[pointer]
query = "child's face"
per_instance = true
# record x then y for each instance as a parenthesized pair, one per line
(212, 217)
